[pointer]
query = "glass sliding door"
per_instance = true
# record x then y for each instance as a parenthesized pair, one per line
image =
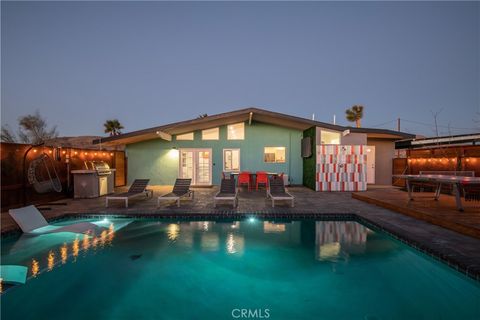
(196, 164)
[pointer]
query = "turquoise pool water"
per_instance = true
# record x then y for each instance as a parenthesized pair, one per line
(147, 269)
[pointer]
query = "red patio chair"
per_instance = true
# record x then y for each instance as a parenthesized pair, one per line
(262, 178)
(244, 178)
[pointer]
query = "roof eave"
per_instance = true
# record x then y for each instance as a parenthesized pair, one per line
(246, 114)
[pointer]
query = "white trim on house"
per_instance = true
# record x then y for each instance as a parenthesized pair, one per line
(239, 163)
(195, 168)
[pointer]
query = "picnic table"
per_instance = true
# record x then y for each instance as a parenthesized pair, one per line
(438, 179)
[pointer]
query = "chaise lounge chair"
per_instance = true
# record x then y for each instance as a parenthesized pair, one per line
(138, 187)
(32, 222)
(276, 191)
(228, 191)
(181, 189)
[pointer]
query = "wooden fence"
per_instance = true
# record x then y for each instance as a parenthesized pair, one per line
(459, 158)
(15, 189)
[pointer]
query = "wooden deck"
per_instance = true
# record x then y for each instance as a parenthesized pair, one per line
(442, 212)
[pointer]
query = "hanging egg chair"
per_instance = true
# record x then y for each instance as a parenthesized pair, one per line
(43, 176)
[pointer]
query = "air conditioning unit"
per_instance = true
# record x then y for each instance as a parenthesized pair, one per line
(306, 147)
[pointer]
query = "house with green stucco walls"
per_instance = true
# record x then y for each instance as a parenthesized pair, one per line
(251, 139)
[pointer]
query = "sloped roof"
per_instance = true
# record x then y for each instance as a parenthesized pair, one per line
(254, 114)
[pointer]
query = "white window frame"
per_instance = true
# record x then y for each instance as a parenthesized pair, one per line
(235, 124)
(284, 160)
(195, 164)
(330, 131)
(189, 136)
(239, 163)
(217, 129)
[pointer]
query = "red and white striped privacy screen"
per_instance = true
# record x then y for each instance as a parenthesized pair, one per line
(341, 168)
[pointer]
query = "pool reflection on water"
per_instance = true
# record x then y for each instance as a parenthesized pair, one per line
(157, 268)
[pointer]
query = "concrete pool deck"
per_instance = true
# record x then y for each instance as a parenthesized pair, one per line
(459, 251)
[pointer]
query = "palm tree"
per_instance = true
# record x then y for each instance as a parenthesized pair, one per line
(113, 127)
(355, 114)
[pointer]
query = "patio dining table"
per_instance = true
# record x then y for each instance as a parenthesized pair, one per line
(456, 181)
(252, 174)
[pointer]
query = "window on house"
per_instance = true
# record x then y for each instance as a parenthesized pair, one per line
(210, 134)
(231, 160)
(185, 136)
(274, 154)
(330, 137)
(236, 131)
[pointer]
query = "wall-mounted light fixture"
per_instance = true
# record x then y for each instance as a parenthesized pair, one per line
(173, 153)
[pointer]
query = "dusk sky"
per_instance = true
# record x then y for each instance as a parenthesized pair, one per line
(151, 63)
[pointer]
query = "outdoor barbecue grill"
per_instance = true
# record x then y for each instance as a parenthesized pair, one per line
(101, 167)
(95, 180)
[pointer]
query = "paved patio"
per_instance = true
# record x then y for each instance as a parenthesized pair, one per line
(460, 251)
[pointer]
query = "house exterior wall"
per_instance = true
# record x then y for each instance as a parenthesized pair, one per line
(318, 132)
(384, 153)
(354, 139)
(159, 162)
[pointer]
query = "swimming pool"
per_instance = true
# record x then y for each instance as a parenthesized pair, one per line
(158, 269)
